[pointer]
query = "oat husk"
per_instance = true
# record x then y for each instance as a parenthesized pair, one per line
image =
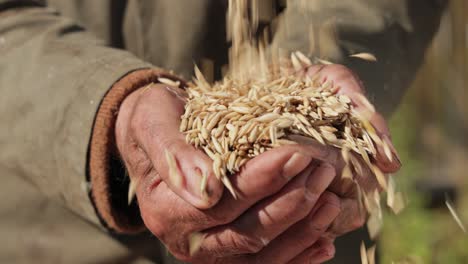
(265, 99)
(233, 121)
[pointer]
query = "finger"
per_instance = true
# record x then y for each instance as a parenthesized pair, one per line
(387, 158)
(253, 230)
(351, 217)
(305, 233)
(172, 220)
(262, 176)
(320, 252)
(340, 75)
(344, 187)
(319, 151)
(388, 163)
(350, 85)
(179, 164)
(272, 216)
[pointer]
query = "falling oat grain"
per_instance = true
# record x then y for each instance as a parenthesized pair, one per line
(365, 56)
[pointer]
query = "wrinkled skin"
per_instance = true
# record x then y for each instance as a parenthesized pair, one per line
(291, 203)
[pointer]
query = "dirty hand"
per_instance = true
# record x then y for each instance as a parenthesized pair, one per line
(282, 211)
(349, 84)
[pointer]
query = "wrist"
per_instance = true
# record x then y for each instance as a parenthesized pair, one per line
(124, 115)
(106, 172)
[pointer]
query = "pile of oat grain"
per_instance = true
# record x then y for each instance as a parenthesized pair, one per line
(234, 121)
(257, 107)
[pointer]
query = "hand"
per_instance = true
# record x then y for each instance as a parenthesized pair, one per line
(282, 211)
(351, 217)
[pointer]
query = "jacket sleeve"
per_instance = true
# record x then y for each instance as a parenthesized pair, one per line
(57, 83)
(396, 32)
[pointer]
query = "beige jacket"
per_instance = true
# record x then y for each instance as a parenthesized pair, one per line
(66, 65)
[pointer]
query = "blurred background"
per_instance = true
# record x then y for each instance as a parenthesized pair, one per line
(430, 130)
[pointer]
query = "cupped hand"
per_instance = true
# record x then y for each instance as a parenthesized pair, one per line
(351, 217)
(282, 211)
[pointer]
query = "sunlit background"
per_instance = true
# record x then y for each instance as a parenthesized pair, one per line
(430, 130)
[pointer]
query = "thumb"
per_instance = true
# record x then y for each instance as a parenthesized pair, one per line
(186, 170)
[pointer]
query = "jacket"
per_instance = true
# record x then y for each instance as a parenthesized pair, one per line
(66, 65)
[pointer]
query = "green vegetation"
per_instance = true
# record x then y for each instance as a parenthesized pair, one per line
(420, 235)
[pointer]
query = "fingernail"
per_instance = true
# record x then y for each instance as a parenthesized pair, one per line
(296, 163)
(387, 140)
(194, 182)
(201, 188)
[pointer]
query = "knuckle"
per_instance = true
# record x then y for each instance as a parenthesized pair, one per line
(331, 251)
(170, 144)
(357, 222)
(154, 225)
(314, 193)
(300, 202)
(167, 143)
(178, 247)
(272, 181)
(306, 200)
(136, 161)
(331, 199)
(303, 199)
(306, 237)
(329, 155)
(222, 217)
(315, 228)
(247, 244)
(328, 168)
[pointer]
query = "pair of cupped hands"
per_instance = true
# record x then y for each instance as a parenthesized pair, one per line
(292, 202)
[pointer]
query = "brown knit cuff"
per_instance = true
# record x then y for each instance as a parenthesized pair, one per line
(107, 174)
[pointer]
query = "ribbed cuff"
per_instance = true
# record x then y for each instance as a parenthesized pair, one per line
(109, 185)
